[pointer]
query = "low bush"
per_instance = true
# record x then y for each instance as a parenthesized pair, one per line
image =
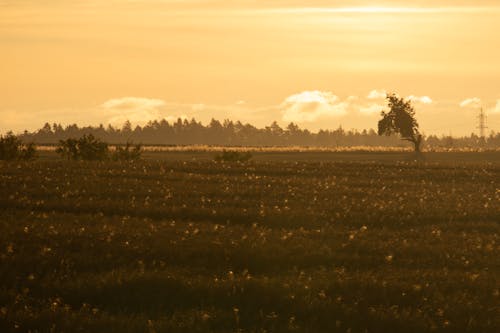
(12, 148)
(85, 148)
(129, 152)
(233, 156)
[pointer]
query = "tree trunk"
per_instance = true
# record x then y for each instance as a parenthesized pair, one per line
(417, 141)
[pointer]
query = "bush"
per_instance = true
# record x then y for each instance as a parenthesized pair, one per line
(86, 148)
(12, 148)
(233, 156)
(130, 152)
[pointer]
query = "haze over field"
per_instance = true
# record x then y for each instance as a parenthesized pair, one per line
(319, 64)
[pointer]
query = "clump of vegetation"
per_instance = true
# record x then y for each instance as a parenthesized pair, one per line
(129, 152)
(12, 148)
(85, 148)
(233, 156)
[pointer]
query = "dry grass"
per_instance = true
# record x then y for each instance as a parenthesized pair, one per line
(198, 246)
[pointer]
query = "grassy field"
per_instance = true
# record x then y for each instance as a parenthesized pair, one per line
(306, 154)
(273, 245)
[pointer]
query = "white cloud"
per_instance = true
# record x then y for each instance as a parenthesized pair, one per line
(137, 110)
(496, 108)
(371, 109)
(473, 102)
(317, 106)
(377, 94)
(420, 99)
(127, 103)
(309, 106)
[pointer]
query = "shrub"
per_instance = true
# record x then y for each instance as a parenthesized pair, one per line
(233, 156)
(68, 149)
(86, 148)
(12, 148)
(128, 153)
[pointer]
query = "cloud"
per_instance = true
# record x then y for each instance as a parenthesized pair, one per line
(309, 106)
(496, 108)
(133, 103)
(377, 94)
(371, 109)
(420, 99)
(473, 102)
(138, 110)
(321, 8)
(315, 106)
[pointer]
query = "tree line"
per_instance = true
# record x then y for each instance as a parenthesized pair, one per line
(229, 133)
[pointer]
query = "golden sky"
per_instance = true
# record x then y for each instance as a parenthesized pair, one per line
(320, 64)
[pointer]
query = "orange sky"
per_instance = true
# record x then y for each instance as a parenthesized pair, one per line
(321, 66)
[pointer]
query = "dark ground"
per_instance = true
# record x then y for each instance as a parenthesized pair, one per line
(288, 242)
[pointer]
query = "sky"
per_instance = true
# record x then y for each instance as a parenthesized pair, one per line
(319, 64)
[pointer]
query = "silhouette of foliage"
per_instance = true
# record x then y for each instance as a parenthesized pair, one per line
(12, 148)
(229, 133)
(85, 148)
(129, 152)
(68, 149)
(400, 120)
(233, 156)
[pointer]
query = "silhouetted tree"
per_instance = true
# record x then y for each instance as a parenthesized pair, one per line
(85, 148)
(129, 152)
(127, 127)
(11, 148)
(400, 120)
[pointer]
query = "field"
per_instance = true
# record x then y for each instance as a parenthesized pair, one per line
(304, 244)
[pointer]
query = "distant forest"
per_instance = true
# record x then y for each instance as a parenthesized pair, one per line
(229, 133)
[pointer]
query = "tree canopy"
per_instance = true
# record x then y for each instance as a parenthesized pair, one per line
(400, 119)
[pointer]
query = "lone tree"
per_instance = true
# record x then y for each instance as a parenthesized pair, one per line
(400, 120)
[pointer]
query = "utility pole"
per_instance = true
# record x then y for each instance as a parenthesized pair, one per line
(482, 123)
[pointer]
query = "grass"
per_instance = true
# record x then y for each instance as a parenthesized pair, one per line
(201, 246)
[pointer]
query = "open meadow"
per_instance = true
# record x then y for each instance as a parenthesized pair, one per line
(304, 244)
